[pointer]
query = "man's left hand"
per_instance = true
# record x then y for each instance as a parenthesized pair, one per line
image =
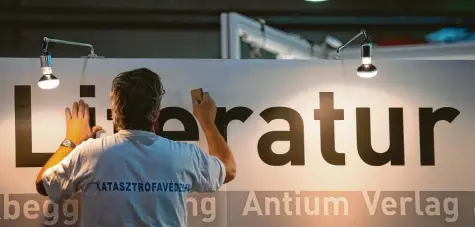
(77, 123)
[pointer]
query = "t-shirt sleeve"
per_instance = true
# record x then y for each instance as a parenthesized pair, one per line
(208, 170)
(61, 181)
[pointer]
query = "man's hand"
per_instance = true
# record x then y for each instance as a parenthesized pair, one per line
(77, 123)
(205, 111)
(77, 130)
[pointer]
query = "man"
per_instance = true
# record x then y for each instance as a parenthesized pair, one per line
(134, 177)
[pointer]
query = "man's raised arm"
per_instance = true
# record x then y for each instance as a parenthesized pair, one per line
(205, 112)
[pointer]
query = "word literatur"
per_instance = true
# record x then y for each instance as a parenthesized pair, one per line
(326, 114)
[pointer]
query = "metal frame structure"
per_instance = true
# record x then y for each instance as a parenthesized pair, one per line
(235, 27)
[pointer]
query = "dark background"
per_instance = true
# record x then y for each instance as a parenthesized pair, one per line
(191, 28)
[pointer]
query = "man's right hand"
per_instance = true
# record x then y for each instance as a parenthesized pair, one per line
(205, 111)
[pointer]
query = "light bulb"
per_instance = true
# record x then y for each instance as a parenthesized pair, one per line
(367, 71)
(366, 60)
(48, 82)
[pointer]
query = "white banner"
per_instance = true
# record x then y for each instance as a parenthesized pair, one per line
(294, 125)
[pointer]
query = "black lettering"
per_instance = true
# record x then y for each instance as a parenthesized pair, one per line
(89, 91)
(427, 121)
(165, 187)
(104, 186)
(170, 187)
(395, 152)
(116, 186)
(295, 136)
(147, 187)
(128, 186)
(159, 187)
(176, 187)
(92, 117)
(327, 115)
(223, 118)
(135, 186)
(23, 131)
(96, 185)
(154, 186)
(110, 185)
(190, 133)
(122, 186)
(140, 187)
(23, 127)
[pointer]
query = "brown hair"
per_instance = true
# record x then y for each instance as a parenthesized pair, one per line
(136, 96)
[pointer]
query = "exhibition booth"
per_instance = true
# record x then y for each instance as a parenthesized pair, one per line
(373, 141)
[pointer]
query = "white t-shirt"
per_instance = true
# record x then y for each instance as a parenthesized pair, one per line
(134, 178)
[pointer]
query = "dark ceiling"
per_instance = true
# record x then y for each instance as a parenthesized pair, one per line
(389, 22)
(416, 16)
(330, 7)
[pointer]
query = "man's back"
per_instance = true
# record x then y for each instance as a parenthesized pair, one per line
(135, 178)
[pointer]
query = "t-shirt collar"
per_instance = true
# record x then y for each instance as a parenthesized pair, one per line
(128, 132)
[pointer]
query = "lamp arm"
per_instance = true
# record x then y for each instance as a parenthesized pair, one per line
(47, 40)
(362, 32)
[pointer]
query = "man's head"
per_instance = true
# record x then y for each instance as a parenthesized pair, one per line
(135, 98)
